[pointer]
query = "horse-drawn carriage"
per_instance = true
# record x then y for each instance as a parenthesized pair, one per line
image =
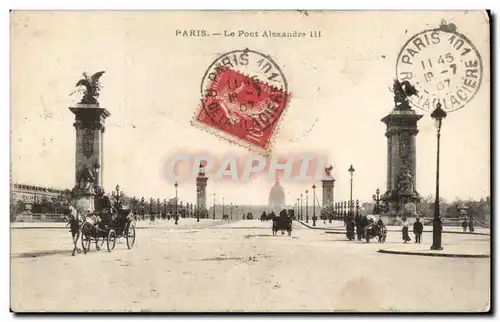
(375, 231)
(282, 223)
(108, 226)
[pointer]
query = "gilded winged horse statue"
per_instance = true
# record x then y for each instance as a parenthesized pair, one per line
(92, 87)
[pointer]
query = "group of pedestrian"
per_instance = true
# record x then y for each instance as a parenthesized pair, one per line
(418, 229)
(356, 226)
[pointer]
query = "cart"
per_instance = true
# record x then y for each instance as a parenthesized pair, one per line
(100, 227)
(282, 223)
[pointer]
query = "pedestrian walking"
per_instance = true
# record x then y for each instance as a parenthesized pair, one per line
(364, 223)
(418, 228)
(464, 225)
(406, 237)
(357, 223)
(471, 225)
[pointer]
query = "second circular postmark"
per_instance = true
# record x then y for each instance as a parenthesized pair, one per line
(443, 65)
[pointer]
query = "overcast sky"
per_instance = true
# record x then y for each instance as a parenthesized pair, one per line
(339, 84)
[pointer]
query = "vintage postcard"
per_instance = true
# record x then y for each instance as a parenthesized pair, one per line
(250, 161)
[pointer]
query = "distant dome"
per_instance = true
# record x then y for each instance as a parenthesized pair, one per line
(277, 197)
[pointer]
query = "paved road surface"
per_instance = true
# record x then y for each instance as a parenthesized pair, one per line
(240, 266)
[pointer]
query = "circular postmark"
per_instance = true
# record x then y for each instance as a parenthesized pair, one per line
(249, 62)
(443, 65)
(244, 93)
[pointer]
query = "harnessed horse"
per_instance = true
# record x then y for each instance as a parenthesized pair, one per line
(75, 223)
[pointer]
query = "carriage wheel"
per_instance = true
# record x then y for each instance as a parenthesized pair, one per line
(130, 235)
(85, 243)
(111, 240)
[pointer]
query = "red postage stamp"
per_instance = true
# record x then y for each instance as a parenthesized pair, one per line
(243, 108)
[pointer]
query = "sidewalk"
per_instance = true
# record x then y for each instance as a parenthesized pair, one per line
(480, 250)
(141, 224)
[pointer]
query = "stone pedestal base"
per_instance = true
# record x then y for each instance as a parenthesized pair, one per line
(401, 205)
(327, 185)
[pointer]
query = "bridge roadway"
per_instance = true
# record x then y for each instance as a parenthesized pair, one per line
(240, 266)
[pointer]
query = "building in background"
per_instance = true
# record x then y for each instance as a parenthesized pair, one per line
(276, 198)
(35, 202)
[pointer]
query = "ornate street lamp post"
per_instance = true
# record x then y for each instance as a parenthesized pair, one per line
(301, 210)
(231, 210)
(307, 206)
(133, 205)
(314, 205)
(198, 190)
(437, 226)
(351, 204)
(376, 198)
(214, 207)
(118, 197)
(298, 210)
(176, 215)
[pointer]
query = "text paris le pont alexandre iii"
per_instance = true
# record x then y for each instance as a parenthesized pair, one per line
(248, 34)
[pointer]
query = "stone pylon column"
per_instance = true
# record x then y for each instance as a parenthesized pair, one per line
(201, 190)
(401, 132)
(328, 184)
(89, 125)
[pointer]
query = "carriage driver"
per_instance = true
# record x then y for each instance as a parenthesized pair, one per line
(106, 204)
(106, 210)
